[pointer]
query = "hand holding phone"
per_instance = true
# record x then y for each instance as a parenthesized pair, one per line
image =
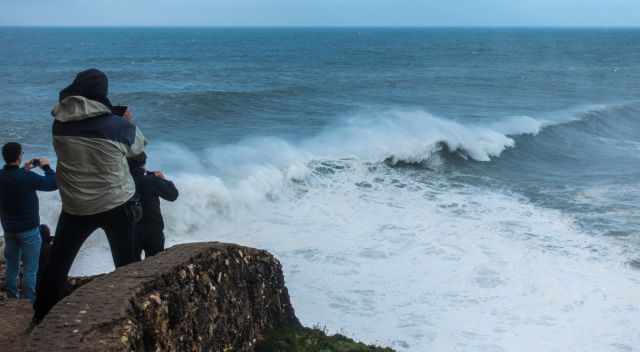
(119, 110)
(38, 162)
(159, 174)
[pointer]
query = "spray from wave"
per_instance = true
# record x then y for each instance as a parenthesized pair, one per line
(232, 178)
(226, 181)
(414, 136)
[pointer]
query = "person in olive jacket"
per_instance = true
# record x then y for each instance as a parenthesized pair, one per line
(150, 186)
(92, 144)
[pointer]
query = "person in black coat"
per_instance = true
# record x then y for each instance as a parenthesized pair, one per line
(150, 186)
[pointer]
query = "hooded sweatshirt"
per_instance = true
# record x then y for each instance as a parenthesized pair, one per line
(92, 145)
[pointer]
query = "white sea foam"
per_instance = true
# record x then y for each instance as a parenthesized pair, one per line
(413, 136)
(415, 261)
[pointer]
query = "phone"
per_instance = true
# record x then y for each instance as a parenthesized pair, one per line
(119, 110)
(35, 162)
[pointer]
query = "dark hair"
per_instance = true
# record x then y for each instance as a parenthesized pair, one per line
(137, 161)
(11, 152)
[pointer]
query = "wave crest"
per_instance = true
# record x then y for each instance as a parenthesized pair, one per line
(415, 136)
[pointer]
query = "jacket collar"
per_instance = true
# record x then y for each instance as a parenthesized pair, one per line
(77, 108)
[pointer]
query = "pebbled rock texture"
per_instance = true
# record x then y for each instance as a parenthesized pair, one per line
(193, 297)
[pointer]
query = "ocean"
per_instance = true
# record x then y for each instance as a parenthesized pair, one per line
(427, 189)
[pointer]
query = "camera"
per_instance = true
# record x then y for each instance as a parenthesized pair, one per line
(35, 162)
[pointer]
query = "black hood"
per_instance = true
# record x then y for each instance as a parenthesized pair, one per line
(92, 84)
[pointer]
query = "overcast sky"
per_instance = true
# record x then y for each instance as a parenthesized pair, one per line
(321, 12)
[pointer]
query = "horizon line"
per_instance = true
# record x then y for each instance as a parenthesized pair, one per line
(328, 26)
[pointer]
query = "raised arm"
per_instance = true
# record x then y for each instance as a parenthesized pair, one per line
(165, 189)
(46, 183)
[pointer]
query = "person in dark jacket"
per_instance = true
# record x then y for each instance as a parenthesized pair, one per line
(20, 216)
(150, 186)
(96, 188)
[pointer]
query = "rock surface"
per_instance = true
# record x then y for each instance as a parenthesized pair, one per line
(193, 297)
(15, 316)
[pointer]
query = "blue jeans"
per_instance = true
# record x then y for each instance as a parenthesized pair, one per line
(26, 246)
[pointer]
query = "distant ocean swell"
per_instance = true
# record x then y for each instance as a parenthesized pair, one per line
(213, 102)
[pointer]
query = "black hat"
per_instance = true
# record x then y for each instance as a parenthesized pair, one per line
(91, 84)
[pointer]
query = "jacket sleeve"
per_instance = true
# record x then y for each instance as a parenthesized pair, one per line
(138, 144)
(165, 189)
(46, 183)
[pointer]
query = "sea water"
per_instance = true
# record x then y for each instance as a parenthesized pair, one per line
(425, 189)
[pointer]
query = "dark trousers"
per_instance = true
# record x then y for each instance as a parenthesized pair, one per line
(149, 241)
(71, 233)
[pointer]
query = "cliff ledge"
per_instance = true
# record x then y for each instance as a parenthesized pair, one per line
(192, 297)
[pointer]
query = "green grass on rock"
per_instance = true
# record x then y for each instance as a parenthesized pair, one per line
(312, 340)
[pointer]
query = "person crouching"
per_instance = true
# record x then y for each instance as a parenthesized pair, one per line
(150, 186)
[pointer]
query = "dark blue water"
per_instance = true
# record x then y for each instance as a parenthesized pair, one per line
(547, 117)
(204, 87)
(293, 82)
